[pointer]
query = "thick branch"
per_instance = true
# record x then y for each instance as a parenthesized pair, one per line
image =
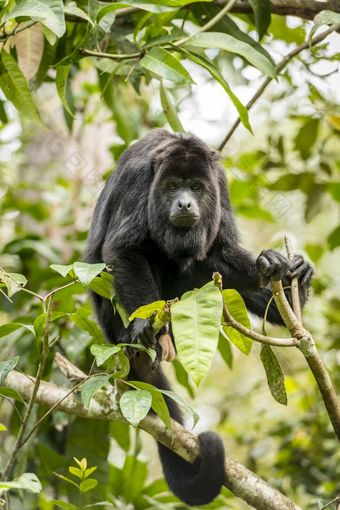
(306, 9)
(242, 482)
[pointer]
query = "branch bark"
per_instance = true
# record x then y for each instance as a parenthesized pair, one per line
(240, 480)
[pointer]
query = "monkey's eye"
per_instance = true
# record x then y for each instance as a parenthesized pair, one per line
(172, 186)
(196, 186)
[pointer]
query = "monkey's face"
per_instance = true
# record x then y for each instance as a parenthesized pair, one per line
(183, 197)
(184, 203)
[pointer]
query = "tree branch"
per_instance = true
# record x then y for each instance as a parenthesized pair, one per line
(242, 482)
(280, 66)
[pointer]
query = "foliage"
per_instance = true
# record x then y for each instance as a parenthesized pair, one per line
(98, 78)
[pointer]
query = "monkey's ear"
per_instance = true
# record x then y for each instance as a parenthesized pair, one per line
(214, 156)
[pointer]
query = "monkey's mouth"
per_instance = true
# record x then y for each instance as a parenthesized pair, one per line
(185, 221)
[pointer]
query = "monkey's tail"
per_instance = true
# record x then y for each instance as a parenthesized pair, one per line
(198, 483)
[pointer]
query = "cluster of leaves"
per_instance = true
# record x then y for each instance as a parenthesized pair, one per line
(38, 37)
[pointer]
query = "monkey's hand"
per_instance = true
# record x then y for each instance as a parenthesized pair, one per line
(271, 264)
(303, 270)
(141, 330)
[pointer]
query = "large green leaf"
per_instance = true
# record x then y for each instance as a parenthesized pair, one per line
(103, 352)
(226, 42)
(262, 13)
(203, 62)
(164, 64)
(196, 320)
(275, 377)
(82, 320)
(135, 405)
(13, 281)
(169, 110)
(50, 13)
(238, 310)
(29, 45)
(15, 88)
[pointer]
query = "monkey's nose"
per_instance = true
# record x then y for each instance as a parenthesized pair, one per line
(184, 205)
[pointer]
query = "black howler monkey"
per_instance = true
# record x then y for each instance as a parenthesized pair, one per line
(164, 223)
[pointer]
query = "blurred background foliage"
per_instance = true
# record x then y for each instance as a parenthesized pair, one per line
(284, 179)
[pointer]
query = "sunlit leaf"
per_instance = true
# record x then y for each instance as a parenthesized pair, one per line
(238, 310)
(63, 270)
(195, 323)
(228, 43)
(87, 485)
(72, 9)
(87, 272)
(7, 329)
(158, 401)
(146, 311)
(50, 14)
(61, 83)
(103, 352)
(165, 64)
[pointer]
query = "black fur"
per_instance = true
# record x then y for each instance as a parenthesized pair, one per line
(153, 258)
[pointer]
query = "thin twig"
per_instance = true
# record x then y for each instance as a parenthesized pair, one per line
(280, 66)
(41, 367)
(113, 56)
(295, 283)
(16, 30)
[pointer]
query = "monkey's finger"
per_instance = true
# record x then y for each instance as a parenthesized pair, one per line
(301, 270)
(297, 261)
(307, 277)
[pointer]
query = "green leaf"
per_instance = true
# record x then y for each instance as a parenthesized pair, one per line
(73, 10)
(81, 319)
(163, 63)
(195, 323)
(61, 84)
(334, 189)
(13, 281)
(89, 471)
(169, 110)
(26, 481)
(226, 42)
(103, 352)
(158, 401)
(39, 322)
(262, 13)
(9, 393)
(135, 405)
(103, 285)
(50, 14)
(333, 239)
(182, 403)
(182, 377)
(146, 311)
(3, 427)
(7, 329)
(91, 386)
(88, 485)
(76, 472)
(324, 18)
(306, 137)
(63, 270)
(87, 272)
(225, 349)
(275, 377)
(238, 310)
(6, 367)
(203, 62)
